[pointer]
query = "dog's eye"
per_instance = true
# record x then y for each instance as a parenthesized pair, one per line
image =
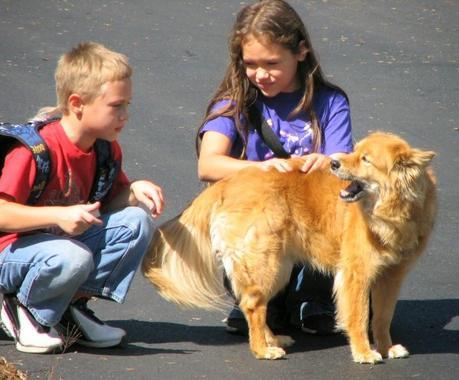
(365, 159)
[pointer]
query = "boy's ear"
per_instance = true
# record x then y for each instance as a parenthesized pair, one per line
(75, 103)
(303, 51)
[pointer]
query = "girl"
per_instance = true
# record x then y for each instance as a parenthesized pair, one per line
(273, 67)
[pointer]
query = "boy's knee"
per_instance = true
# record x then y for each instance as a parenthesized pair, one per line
(140, 220)
(73, 262)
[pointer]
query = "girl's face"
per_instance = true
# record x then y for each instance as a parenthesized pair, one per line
(271, 67)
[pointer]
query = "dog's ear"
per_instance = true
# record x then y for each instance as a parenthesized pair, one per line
(409, 166)
(421, 157)
(415, 157)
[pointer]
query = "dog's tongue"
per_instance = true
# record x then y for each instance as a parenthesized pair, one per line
(353, 189)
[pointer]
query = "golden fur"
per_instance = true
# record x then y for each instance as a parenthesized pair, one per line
(257, 224)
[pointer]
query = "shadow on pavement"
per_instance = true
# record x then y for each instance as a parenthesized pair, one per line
(420, 325)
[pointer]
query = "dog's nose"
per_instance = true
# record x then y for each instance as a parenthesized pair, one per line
(335, 164)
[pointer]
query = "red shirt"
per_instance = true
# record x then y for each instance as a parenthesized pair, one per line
(71, 178)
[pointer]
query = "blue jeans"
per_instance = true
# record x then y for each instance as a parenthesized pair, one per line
(45, 270)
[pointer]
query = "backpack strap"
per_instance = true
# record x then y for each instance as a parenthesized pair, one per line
(28, 135)
(265, 132)
(106, 172)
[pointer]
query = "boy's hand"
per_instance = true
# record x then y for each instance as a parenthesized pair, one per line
(150, 195)
(74, 220)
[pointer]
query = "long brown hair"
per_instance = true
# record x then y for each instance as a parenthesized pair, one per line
(278, 22)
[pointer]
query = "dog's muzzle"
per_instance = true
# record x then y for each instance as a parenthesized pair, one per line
(354, 191)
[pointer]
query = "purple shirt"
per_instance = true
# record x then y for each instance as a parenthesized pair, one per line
(332, 111)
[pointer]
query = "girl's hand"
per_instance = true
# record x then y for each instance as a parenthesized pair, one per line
(315, 161)
(150, 195)
(74, 220)
(279, 164)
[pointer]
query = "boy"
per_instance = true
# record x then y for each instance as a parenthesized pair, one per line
(63, 250)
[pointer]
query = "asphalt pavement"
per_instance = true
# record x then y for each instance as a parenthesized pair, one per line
(398, 62)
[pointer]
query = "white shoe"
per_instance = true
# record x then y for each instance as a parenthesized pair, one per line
(29, 335)
(94, 332)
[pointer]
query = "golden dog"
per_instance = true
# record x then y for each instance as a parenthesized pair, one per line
(367, 221)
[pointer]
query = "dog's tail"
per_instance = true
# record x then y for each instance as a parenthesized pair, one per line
(180, 262)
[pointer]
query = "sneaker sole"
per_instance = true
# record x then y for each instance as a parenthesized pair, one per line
(38, 350)
(320, 332)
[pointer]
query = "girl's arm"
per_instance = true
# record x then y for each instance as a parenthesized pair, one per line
(215, 162)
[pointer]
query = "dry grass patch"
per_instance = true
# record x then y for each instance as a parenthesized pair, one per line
(9, 372)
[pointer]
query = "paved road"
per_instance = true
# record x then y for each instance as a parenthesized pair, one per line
(398, 61)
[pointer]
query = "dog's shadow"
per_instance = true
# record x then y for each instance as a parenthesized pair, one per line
(427, 326)
(423, 326)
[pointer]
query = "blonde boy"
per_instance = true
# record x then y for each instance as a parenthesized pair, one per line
(60, 252)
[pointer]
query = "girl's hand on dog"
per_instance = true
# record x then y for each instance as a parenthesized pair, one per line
(315, 161)
(150, 195)
(279, 164)
(312, 161)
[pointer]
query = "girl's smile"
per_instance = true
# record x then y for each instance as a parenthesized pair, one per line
(271, 67)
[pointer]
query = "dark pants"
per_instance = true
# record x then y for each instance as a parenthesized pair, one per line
(308, 293)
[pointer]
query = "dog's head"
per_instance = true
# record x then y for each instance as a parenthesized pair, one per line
(380, 163)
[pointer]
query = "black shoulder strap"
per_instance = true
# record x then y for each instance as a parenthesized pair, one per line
(106, 172)
(28, 135)
(265, 132)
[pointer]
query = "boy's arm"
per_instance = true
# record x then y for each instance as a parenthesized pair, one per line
(124, 198)
(141, 192)
(73, 220)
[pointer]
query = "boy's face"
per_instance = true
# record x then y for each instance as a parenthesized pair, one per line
(106, 116)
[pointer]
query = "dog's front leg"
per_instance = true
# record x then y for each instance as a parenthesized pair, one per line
(254, 305)
(352, 290)
(384, 296)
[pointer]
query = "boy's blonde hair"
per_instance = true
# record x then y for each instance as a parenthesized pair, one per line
(83, 70)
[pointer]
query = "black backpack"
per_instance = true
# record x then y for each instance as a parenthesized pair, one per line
(27, 134)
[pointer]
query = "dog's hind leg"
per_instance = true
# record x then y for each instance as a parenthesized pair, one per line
(384, 295)
(253, 303)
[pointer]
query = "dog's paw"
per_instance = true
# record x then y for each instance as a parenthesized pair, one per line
(283, 341)
(271, 353)
(371, 357)
(397, 351)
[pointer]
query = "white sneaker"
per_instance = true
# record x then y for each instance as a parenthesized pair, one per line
(29, 335)
(94, 332)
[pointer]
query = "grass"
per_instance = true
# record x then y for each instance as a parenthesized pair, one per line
(9, 372)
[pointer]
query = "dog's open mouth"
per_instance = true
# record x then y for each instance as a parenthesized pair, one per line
(353, 192)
